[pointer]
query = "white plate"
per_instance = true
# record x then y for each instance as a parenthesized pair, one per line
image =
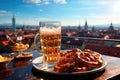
(28, 54)
(39, 61)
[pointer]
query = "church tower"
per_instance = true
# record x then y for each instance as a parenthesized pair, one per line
(86, 26)
(111, 27)
(13, 24)
(79, 27)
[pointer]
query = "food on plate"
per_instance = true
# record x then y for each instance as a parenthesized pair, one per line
(76, 60)
(64, 64)
(24, 55)
(19, 46)
(4, 61)
(89, 58)
(3, 58)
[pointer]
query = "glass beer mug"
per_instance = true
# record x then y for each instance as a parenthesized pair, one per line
(50, 42)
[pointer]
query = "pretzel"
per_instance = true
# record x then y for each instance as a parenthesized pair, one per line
(64, 64)
(76, 60)
(89, 58)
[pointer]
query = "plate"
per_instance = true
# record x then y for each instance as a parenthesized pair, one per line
(38, 61)
(24, 55)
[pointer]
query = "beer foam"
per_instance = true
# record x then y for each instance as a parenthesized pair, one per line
(52, 30)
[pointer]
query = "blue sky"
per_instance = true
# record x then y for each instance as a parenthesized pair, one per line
(69, 12)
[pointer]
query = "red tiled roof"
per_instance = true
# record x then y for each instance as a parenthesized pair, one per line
(29, 36)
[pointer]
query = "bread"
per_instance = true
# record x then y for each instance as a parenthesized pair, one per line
(89, 58)
(76, 60)
(64, 64)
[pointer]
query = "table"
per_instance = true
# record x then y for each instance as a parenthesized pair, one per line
(23, 70)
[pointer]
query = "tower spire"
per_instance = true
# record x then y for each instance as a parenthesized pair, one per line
(13, 23)
(111, 28)
(79, 27)
(86, 26)
(111, 24)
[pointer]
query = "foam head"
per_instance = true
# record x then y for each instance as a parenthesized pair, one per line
(51, 30)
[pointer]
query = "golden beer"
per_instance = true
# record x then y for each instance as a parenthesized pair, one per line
(50, 39)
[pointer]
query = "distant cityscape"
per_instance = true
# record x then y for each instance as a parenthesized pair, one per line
(81, 31)
(9, 33)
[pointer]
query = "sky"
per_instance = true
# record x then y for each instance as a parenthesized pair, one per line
(69, 12)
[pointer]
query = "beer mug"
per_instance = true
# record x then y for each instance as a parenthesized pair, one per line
(50, 42)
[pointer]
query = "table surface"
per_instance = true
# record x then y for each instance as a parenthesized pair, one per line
(22, 69)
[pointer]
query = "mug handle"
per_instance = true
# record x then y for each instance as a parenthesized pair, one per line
(37, 42)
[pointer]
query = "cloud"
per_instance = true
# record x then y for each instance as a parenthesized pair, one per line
(46, 2)
(38, 2)
(3, 11)
(7, 13)
(41, 10)
(60, 1)
(32, 1)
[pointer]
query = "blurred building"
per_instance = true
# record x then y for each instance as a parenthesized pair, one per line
(86, 26)
(13, 23)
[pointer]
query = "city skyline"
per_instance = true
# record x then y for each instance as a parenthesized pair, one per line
(69, 12)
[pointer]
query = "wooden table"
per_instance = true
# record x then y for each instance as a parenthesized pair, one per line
(23, 69)
(112, 69)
